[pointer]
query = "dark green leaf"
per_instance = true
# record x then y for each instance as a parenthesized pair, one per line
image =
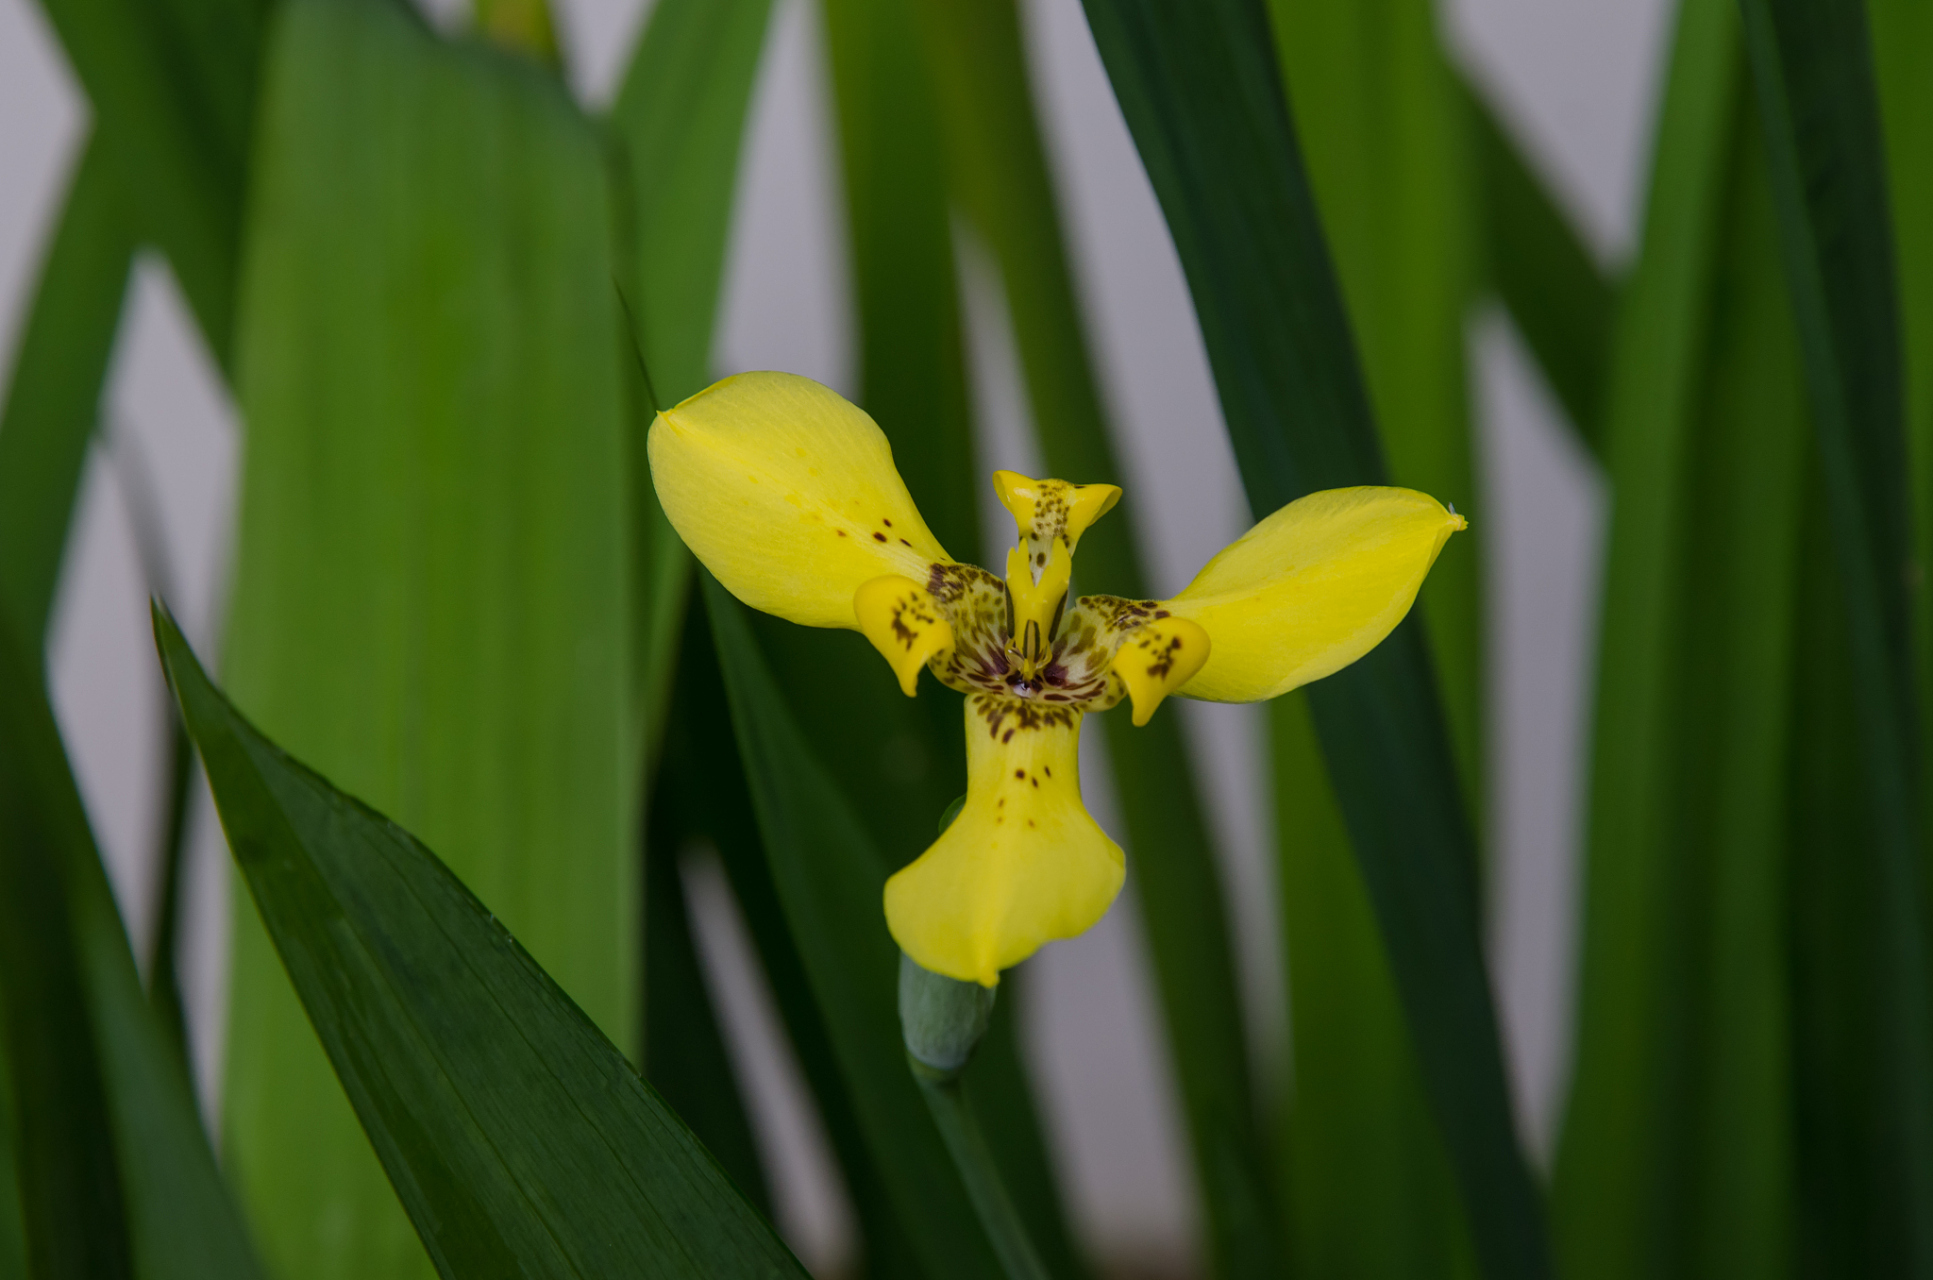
(1818, 105)
(681, 119)
(684, 1054)
(115, 1174)
(172, 85)
(999, 173)
(1386, 149)
(1609, 1195)
(55, 393)
(830, 884)
(1209, 114)
(1556, 293)
(432, 589)
(518, 1137)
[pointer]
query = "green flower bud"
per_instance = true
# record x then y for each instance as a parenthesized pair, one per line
(941, 1018)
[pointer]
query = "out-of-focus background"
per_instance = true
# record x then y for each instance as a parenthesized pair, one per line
(1575, 79)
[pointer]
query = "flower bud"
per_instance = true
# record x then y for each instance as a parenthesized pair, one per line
(940, 1018)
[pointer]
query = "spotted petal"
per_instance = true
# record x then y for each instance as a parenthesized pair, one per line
(1022, 864)
(787, 492)
(1311, 589)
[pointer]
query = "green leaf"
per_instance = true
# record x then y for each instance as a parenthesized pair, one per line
(999, 173)
(173, 87)
(1541, 270)
(1609, 1190)
(115, 1174)
(431, 596)
(1902, 43)
(1818, 104)
(1387, 155)
(54, 396)
(830, 883)
(1678, 1155)
(1209, 114)
(519, 1138)
(680, 117)
(684, 1053)
(912, 367)
(701, 763)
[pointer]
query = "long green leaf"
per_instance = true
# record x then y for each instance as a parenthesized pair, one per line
(172, 84)
(1542, 272)
(115, 1174)
(829, 882)
(701, 761)
(432, 593)
(1902, 44)
(999, 174)
(1608, 1194)
(53, 397)
(518, 1137)
(1812, 65)
(1386, 150)
(1209, 114)
(680, 116)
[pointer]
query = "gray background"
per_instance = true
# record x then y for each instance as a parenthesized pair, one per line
(1577, 78)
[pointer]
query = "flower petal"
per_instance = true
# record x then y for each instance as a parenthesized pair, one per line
(904, 622)
(1311, 589)
(1158, 658)
(787, 492)
(1023, 863)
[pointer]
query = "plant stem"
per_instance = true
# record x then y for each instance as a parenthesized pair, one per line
(951, 1111)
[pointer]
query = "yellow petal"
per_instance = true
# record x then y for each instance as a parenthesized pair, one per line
(1158, 658)
(1035, 606)
(1047, 509)
(787, 493)
(903, 621)
(1023, 863)
(1311, 589)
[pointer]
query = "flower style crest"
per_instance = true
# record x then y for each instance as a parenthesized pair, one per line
(788, 494)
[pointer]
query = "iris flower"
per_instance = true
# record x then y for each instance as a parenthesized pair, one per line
(788, 495)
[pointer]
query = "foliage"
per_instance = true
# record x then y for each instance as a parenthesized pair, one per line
(449, 300)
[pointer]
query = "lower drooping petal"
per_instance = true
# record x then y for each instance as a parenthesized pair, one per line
(1311, 588)
(1022, 864)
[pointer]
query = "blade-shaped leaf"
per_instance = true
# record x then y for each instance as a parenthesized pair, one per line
(999, 173)
(830, 883)
(54, 394)
(173, 85)
(115, 1174)
(681, 118)
(518, 1137)
(1812, 67)
(1374, 103)
(1541, 270)
(1208, 112)
(432, 590)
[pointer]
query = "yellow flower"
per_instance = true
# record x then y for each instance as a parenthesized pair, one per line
(788, 494)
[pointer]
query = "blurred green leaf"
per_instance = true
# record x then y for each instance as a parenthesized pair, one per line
(173, 84)
(114, 1171)
(1206, 106)
(684, 1054)
(1559, 298)
(13, 1231)
(1902, 46)
(680, 118)
(1388, 158)
(520, 1140)
(431, 595)
(701, 763)
(1611, 1187)
(54, 396)
(999, 173)
(830, 883)
(1812, 66)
